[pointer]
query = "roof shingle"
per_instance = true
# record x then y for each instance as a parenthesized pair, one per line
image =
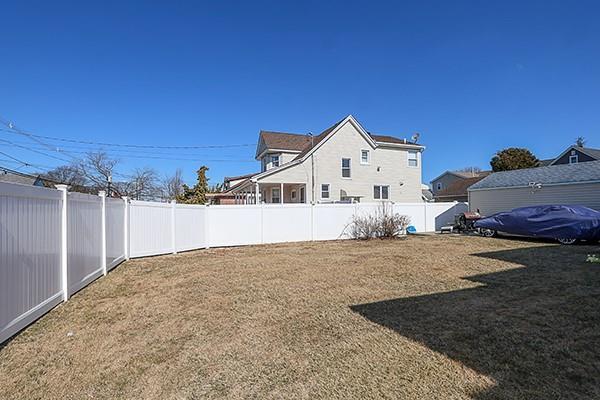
(553, 174)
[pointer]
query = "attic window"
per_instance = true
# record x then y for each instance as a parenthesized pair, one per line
(275, 160)
(573, 159)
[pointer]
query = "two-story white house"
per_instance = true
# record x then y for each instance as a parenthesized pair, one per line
(343, 163)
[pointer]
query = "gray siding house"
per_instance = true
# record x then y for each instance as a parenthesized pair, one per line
(573, 184)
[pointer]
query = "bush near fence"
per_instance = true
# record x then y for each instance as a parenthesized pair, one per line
(54, 242)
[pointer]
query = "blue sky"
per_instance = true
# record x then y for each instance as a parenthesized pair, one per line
(471, 77)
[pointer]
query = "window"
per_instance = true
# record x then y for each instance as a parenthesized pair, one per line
(412, 158)
(325, 191)
(275, 160)
(275, 195)
(345, 168)
(381, 192)
(573, 159)
(364, 156)
(439, 186)
(264, 164)
(293, 195)
(302, 195)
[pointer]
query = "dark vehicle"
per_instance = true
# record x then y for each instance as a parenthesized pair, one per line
(567, 224)
(464, 222)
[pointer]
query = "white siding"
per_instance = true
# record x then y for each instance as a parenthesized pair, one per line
(490, 201)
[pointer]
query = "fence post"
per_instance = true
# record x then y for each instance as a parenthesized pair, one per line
(126, 227)
(64, 272)
(262, 223)
(312, 221)
(425, 215)
(173, 226)
(102, 195)
(206, 226)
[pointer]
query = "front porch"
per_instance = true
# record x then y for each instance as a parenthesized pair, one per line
(270, 193)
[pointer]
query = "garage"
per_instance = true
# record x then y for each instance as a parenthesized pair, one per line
(573, 184)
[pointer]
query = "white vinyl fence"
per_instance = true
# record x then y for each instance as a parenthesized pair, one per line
(53, 243)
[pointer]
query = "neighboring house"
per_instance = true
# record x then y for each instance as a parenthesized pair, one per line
(344, 163)
(572, 184)
(454, 184)
(457, 190)
(572, 155)
(10, 176)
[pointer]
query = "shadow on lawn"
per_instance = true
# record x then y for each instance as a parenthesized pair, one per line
(534, 330)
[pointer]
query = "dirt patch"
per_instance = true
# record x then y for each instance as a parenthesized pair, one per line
(425, 318)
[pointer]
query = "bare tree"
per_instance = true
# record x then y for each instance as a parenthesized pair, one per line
(70, 175)
(172, 186)
(472, 170)
(142, 185)
(98, 168)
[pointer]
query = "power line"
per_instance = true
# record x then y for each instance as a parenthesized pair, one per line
(146, 146)
(60, 148)
(144, 156)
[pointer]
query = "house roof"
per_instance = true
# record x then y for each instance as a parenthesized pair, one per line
(459, 187)
(285, 140)
(463, 174)
(302, 142)
(10, 176)
(237, 178)
(552, 174)
(594, 153)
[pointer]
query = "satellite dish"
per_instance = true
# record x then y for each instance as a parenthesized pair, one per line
(415, 137)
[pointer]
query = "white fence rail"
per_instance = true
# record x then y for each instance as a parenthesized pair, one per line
(53, 243)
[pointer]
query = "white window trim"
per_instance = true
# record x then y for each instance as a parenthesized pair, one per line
(293, 194)
(574, 157)
(381, 192)
(342, 167)
(439, 186)
(368, 158)
(328, 191)
(408, 159)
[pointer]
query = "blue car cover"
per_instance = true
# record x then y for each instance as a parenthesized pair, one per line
(552, 222)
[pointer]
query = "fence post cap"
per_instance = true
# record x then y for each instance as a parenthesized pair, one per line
(102, 193)
(62, 187)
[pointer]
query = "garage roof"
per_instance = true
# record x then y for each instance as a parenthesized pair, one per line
(553, 174)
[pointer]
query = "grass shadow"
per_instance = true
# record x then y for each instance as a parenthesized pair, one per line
(535, 330)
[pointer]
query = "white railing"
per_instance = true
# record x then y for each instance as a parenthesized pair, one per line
(53, 243)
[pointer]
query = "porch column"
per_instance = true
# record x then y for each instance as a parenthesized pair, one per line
(281, 193)
(256, 192)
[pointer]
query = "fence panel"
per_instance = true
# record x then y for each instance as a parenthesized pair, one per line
(289, 223)
(115, 232)
(84, 239)
(189, 227)
(440, 214)
(30, 245)
(235, 225)
(150, 228)
(330, 221)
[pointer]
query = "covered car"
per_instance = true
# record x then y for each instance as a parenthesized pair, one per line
(567, 224)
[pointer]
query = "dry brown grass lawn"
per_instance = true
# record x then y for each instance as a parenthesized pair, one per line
(434, 317)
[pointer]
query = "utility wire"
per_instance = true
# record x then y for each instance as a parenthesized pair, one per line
(144, 156)
(146, 146)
